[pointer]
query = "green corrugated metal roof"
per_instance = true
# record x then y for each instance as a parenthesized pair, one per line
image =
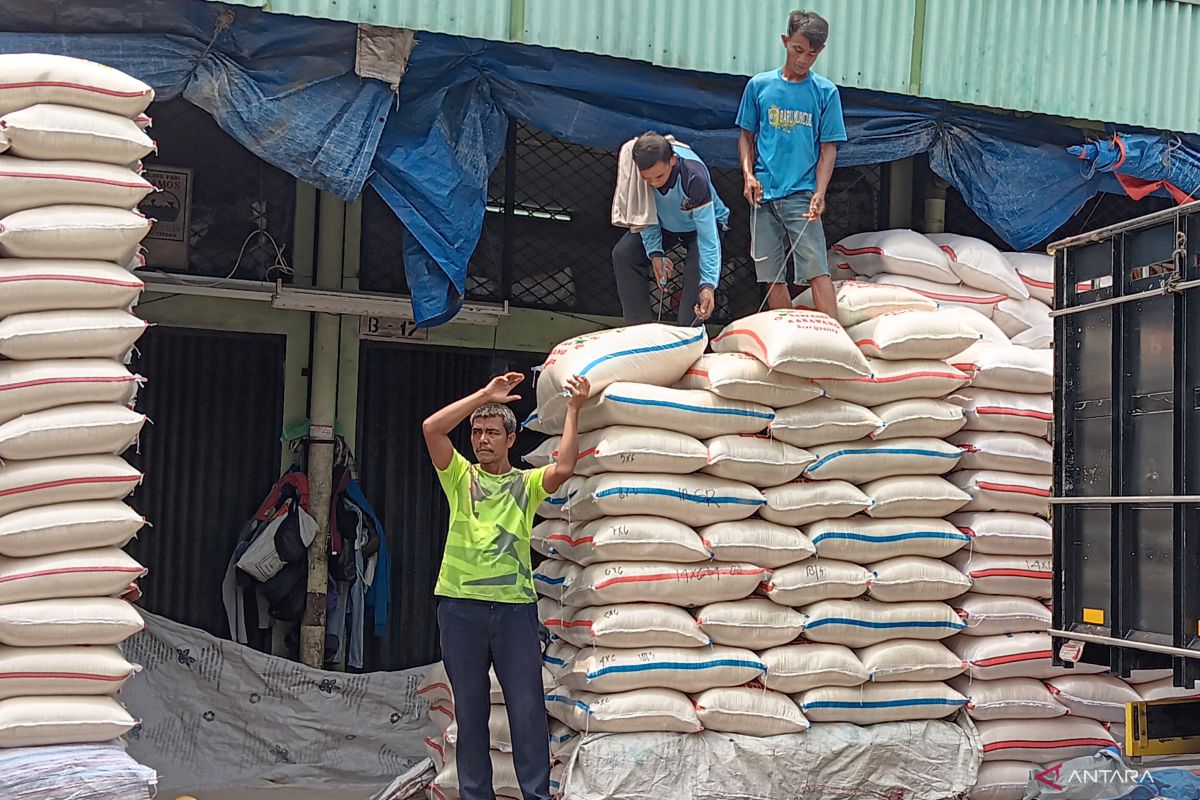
(1123, 61)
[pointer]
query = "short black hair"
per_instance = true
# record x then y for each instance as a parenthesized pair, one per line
(651, 148)
(810, 25)
(497, 411)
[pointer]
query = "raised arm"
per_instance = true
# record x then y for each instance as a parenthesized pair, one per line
(439, 425)
(568, 447)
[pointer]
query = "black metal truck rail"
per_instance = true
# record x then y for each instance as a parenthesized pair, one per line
(1127, 444)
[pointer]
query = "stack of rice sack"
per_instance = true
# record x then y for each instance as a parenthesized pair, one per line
(757, 538)
(1028, 712)
(435, 689)
(69, 133)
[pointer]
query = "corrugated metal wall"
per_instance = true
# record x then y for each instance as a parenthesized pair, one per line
(400, 385)
(1123, 61)
(216, 401)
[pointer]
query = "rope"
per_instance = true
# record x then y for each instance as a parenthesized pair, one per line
(786, 257)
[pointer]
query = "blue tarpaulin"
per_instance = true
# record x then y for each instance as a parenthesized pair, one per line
(437, 152)
(1144, 163)
(284, 87)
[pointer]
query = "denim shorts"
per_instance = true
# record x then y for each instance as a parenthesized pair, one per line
(780, 227)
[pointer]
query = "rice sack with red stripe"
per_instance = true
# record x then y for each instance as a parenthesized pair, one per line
(48, 285)
(1007, 412)
(894, 252)
(660, 582)
(807, 344)
(1046, 741)
(980, 265)
(913, 335)
(949, 296)
(629, 538)
(891, 381)
(738, 376)
(1013, 492)
(1011, 575)
(74, 671)
(859, 301)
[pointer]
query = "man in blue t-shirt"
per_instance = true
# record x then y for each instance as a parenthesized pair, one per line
(688, 211)
(791, 121)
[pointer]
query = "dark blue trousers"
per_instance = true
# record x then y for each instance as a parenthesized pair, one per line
(477, 634)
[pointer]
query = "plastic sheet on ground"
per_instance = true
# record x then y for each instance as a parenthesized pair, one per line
(215, 714)
(928, 760)
(73, 772)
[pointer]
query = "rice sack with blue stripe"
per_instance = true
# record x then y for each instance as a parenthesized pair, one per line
(655, 353)
(881, 702)
(688, 669)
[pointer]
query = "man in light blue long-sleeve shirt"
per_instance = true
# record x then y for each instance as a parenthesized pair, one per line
(689, 211)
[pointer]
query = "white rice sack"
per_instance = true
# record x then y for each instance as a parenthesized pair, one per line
(690, 499)
(1003, 780)
(910, 660)
(859, 301)
(1003, 533)
(749, 711)
(978, 321)
(1017, 316)
(73, 232)
(897, 380)
(71, 479)
(691, 411)
(29, 386)
(918, 417)
(807, 344)
(1004, 452)
(822, 421)
(1050, 741)
(554, 507)
(814, 580)
(896, 252)
(752, 623)
(99, 572)
(81, 429)
(1099, 697)
(563, 743)
(909, 335)
(737, 376)
(1006, 412)
(33, 78)
(754, 459)
(557, 655)
(1165, 689)
(48, 131)
(802, 502)
(1012, 575)
(499, 733)
(548, 534)
(34, 284)
(1138, 677)
(881, 702)
(633, 625)
(68, 621)
(642, 710)
(62, 671)
(992, 490)
(755, 541)
(1039, 337)
(1014, 655)
(1008, 698)
(26, 184)
(946, 295)
(910, 495)
(798, 667)
(553, 577)
(688, 669)
(623, 448)
(1007, 367)
(862, 622)
(869, 459)
(655, 353)
(73, 526)
(632, 538)
(649, 582)
(1036, 271)
(87, 333)
(909, 578)
(980, 265)
(989, 615)
(43, 720)
(553, 616)
(863, 540)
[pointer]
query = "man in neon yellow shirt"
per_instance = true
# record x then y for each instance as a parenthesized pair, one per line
(487, 607)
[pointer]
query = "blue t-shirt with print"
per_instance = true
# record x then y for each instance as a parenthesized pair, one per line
(790, 119)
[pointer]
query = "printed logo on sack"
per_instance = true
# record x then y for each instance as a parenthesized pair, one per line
(1054, 778)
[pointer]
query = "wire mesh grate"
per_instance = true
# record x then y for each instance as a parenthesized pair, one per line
(235, 195)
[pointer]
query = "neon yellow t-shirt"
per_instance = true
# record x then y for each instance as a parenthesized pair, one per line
(491, 522)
